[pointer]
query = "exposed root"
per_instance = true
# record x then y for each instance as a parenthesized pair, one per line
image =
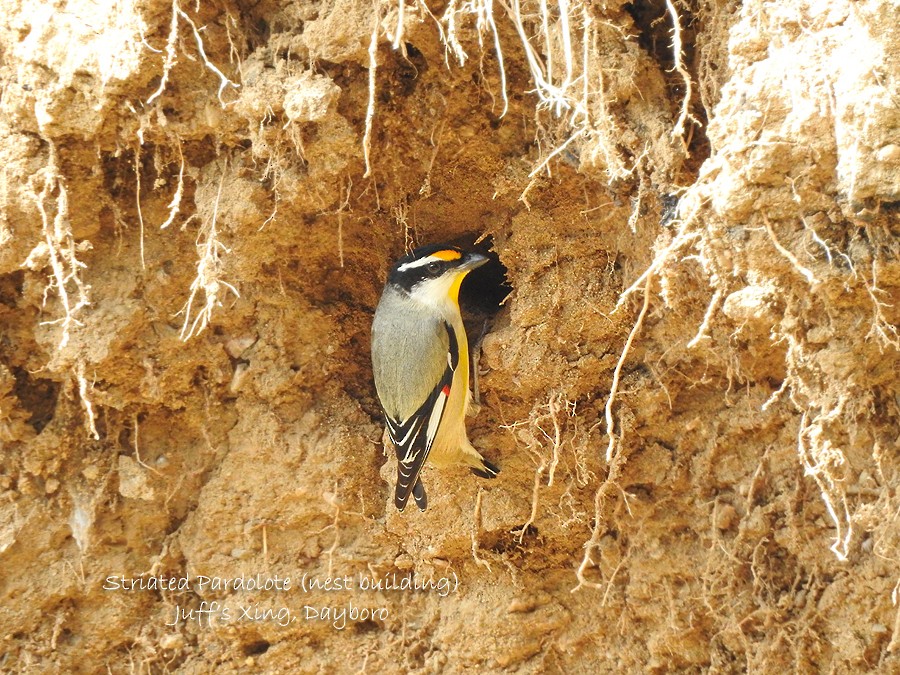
(560, 43)
(487, 19)
(894, 644)
(777, 394)
(809, 276)
(707, 317)
(638, 201)
(600, 497)
(137, 446)
(59, 249)
(536, 170)
(819, 457)
(345, 206)
(533, 430)
(209, 270)
(609, 584)
(829, 254)
(553, 96)
(400, 214)
(83, 393)
(476, 527)
(436, 136)
(175, 204)
(451, 41)
(535, 497)
(553, 407)
(882, 330)
(614, 388)
(171, 58)
(685, 114)
(370, 105)
(332, 499)
(137, 193)
(682, 239)
(484, 22)
(223, 81)
(398, 34)
(234, 54)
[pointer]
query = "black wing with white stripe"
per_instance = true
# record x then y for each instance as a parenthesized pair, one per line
(413, 437)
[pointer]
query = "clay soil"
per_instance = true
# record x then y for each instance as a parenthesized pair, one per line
(689, 376)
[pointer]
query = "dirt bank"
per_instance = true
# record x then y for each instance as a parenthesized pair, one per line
(692, 388)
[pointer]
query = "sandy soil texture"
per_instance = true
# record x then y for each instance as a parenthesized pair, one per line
(692, 388)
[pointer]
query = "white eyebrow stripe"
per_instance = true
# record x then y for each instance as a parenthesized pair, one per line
(418, 263)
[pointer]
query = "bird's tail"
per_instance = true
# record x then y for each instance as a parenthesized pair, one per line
(419, 495)
(401, 495)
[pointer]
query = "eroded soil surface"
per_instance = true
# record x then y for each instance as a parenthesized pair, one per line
(691, 388)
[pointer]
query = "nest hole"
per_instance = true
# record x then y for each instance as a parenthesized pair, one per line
(486, 288)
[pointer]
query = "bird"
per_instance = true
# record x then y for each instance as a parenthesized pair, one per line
(420, 364)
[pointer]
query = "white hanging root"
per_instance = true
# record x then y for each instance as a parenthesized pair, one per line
(707, 317)
(476, 526)
(591, 544)
(659, 260)
(489, 9)
(223, 81)
(175, 204)
(171, 57)
(685, 115)
(207, 279)
(485, 21)
(137, 445)
(344, 206)
(567, 42)
(137, 193)
(370, 106)
(558, 151)
(533, 425)
(809, 276)
(169, 61)
(548, 42)
(614, 388)
(558, 93)
(86, 400)
(553, 406)
(562, 81)
(398, 35)
(61, 248)
(882, 330)
(550, 95)
(895, 600)
(815, 460)
(452, 41)
(61, 254)
(587, 31)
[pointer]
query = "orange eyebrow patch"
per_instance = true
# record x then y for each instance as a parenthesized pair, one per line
(447, 254)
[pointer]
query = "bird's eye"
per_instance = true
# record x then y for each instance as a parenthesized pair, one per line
(433, 268)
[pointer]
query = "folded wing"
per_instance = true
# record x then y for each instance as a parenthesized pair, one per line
(414, 436)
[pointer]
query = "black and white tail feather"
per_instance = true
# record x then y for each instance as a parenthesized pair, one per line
(413, 437)
(410, 443)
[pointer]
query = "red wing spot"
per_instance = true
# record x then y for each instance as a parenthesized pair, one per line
(446, 390)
